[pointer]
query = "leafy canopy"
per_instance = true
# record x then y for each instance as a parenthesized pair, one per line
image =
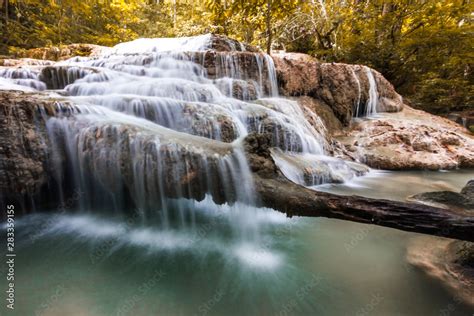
(424, 47)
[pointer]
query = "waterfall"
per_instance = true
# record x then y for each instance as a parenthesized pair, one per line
(153, 125)
(311, 170)
(23, 77)
(155, 122)
(371, 107)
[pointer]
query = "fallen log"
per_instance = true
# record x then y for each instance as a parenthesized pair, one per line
(279, 193)
(296, 200)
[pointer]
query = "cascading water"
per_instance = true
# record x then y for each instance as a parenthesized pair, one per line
(122, 149)
(159, 123)
(19, 77)
(370, 107)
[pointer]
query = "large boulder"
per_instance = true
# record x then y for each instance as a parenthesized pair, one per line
(343, 87)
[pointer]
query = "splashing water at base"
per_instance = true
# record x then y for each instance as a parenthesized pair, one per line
(107, 265)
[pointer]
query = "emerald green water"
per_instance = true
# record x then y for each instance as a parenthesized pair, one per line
(91, 263)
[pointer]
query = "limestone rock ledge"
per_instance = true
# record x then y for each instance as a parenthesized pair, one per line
(410, 139)
(23, 147)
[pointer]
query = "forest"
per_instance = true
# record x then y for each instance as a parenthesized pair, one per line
(423, 47)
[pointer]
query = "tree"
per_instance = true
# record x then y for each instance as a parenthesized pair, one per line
(423, 47)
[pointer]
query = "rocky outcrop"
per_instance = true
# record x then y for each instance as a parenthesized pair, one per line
(410, 139)
(111, 155)
(23, 147)
(222, 43)
(323, 111)
(449, 261)
(58, 77)
(243, 65)
(297, 74)
(22, 62)
(156, 137)
(462, 202)
(396, 139)
(341, 86)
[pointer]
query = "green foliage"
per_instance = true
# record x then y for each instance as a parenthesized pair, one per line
(423, 47)
(33, 23)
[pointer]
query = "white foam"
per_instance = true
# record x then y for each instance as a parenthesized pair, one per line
(151, 45)
(94, 230)
(261, 258)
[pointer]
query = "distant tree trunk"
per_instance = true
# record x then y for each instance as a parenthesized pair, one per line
(269, 26)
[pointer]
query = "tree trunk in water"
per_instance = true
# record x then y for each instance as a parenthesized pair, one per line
(293, 199)
(277, 192)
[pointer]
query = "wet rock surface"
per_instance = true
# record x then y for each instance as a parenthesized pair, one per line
(58, 77)
(243, 65)
(461, 202)
(323, 111)
(310, 170)
(449, 261)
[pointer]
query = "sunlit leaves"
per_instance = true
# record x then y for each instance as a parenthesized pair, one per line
(424, 47)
